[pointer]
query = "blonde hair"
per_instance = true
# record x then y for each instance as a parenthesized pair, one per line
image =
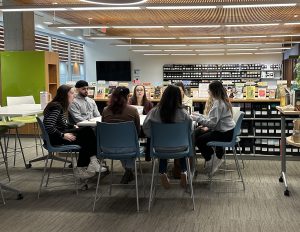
(208, 105)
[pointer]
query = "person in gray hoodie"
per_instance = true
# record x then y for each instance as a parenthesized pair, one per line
(169, 110)
(220, 124)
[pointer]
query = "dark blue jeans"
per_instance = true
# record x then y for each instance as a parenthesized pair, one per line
(163, 163)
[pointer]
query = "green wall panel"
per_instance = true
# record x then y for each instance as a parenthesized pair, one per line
(22, 74)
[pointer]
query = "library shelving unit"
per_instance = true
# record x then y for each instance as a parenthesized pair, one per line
(203, 73)
(25, 73)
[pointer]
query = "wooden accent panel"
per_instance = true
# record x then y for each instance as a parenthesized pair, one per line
(288, 70)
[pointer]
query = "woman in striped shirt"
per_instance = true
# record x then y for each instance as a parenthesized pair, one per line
(62, 133)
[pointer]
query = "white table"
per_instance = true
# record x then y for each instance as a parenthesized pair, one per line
(93, 122)
(20, 110)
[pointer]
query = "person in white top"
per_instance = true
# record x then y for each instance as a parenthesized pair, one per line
(220, 124)
(83, 107)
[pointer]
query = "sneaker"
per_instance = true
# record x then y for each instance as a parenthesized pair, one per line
(165, 181)
(94, 166)
(216, 164)
(183, 179)
(207, 165)
(83, 173)
(127, 177)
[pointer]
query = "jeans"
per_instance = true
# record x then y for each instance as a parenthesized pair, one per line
(163, 163)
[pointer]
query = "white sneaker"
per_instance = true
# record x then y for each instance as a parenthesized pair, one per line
(83, 173)
(94, 166)
(216, 164)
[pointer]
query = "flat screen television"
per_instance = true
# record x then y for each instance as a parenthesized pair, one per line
(113, 70)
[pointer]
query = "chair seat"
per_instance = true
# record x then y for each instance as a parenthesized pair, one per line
(62, 148)
(25, 119)
(221, 144)
(123, 156)
(168, 155)
(12, 125)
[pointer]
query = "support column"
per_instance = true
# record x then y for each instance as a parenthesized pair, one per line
(19, 34)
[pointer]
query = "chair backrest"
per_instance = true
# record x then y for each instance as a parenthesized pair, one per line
(171, 137)
(238, 124)
(44, 134)
(11, 101)
(235, 111)
(117, 138)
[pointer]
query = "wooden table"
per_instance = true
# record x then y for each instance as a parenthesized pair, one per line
(283, 115)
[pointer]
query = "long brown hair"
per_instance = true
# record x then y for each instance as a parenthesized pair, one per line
(170, 101)
(218, 92)
(61, 98)
(118, 100)
(134, 97)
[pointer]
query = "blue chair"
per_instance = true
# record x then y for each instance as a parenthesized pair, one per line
(52, 150)
(117, 141)
(231, 144)
(171, 141)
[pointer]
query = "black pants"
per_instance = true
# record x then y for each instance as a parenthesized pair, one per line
(203, 137)
(86, 138)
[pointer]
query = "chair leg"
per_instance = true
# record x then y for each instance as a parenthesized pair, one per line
(35, 138)
(45, 169)
(152, 182)
(73, 168)
(210, 175)
(111, 177)
(50, 169)
(15, 149)
(96, 193)
(238, 167)
(20, 144)
(3, 199)
(136, 187)
(142, 176)
(5, 159)
(191, 181)
(242, 158)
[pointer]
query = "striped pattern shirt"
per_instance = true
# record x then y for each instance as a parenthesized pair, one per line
(54, 120)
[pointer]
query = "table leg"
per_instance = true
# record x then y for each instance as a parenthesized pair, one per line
(282, 177)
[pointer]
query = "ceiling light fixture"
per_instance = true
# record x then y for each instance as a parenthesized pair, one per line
(107, 38)
(212, 37)
(132, 45)
(261, 5)
(241, 53)
(133, 27)
(82, 27)
(172, 50)
(179, 7)
(153, 54)
(157, 38)
(283, 48)
(287, 24)
(105, 8)
(146, 50)
(169, 45)
(284, 35)
(183, 54)
(211, 54)
(265, 53)
(242, 49)
(252, 25)
(32, 9)
(210, 50)
(195, 26)
(245, 36)
(117, 3)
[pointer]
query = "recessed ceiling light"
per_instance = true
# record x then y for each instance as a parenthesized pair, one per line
(247, 44)
(107, 38)
(241, 49)
(283, 48)
(211, 54)
(169, 45)
(241, 53)
(105, 8)
(296, 16)
(285, 35)
(264, 53)
(209, 50)
(82, 26)
(297, 23)
(48, 23)
(32, 9)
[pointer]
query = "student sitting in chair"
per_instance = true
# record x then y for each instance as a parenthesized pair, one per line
(83, 107)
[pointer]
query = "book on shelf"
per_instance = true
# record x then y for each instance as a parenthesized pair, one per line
(250, 92)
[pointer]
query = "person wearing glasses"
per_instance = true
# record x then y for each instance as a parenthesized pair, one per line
(83, 107)
(139, 99)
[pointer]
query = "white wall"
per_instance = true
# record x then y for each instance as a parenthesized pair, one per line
(151, 66)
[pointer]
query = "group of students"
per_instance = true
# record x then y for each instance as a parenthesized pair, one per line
(215, 125)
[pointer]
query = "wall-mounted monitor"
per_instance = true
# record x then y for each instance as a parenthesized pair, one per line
(113, 70)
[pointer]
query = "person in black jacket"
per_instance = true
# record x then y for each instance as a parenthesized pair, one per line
(62, 133)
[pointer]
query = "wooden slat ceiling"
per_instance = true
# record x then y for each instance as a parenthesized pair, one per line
(189, 17)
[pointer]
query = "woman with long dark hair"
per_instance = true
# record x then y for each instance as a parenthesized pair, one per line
(118, 110)
(63, 133)
(169, 110)
(139, 98)
(220, 126)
